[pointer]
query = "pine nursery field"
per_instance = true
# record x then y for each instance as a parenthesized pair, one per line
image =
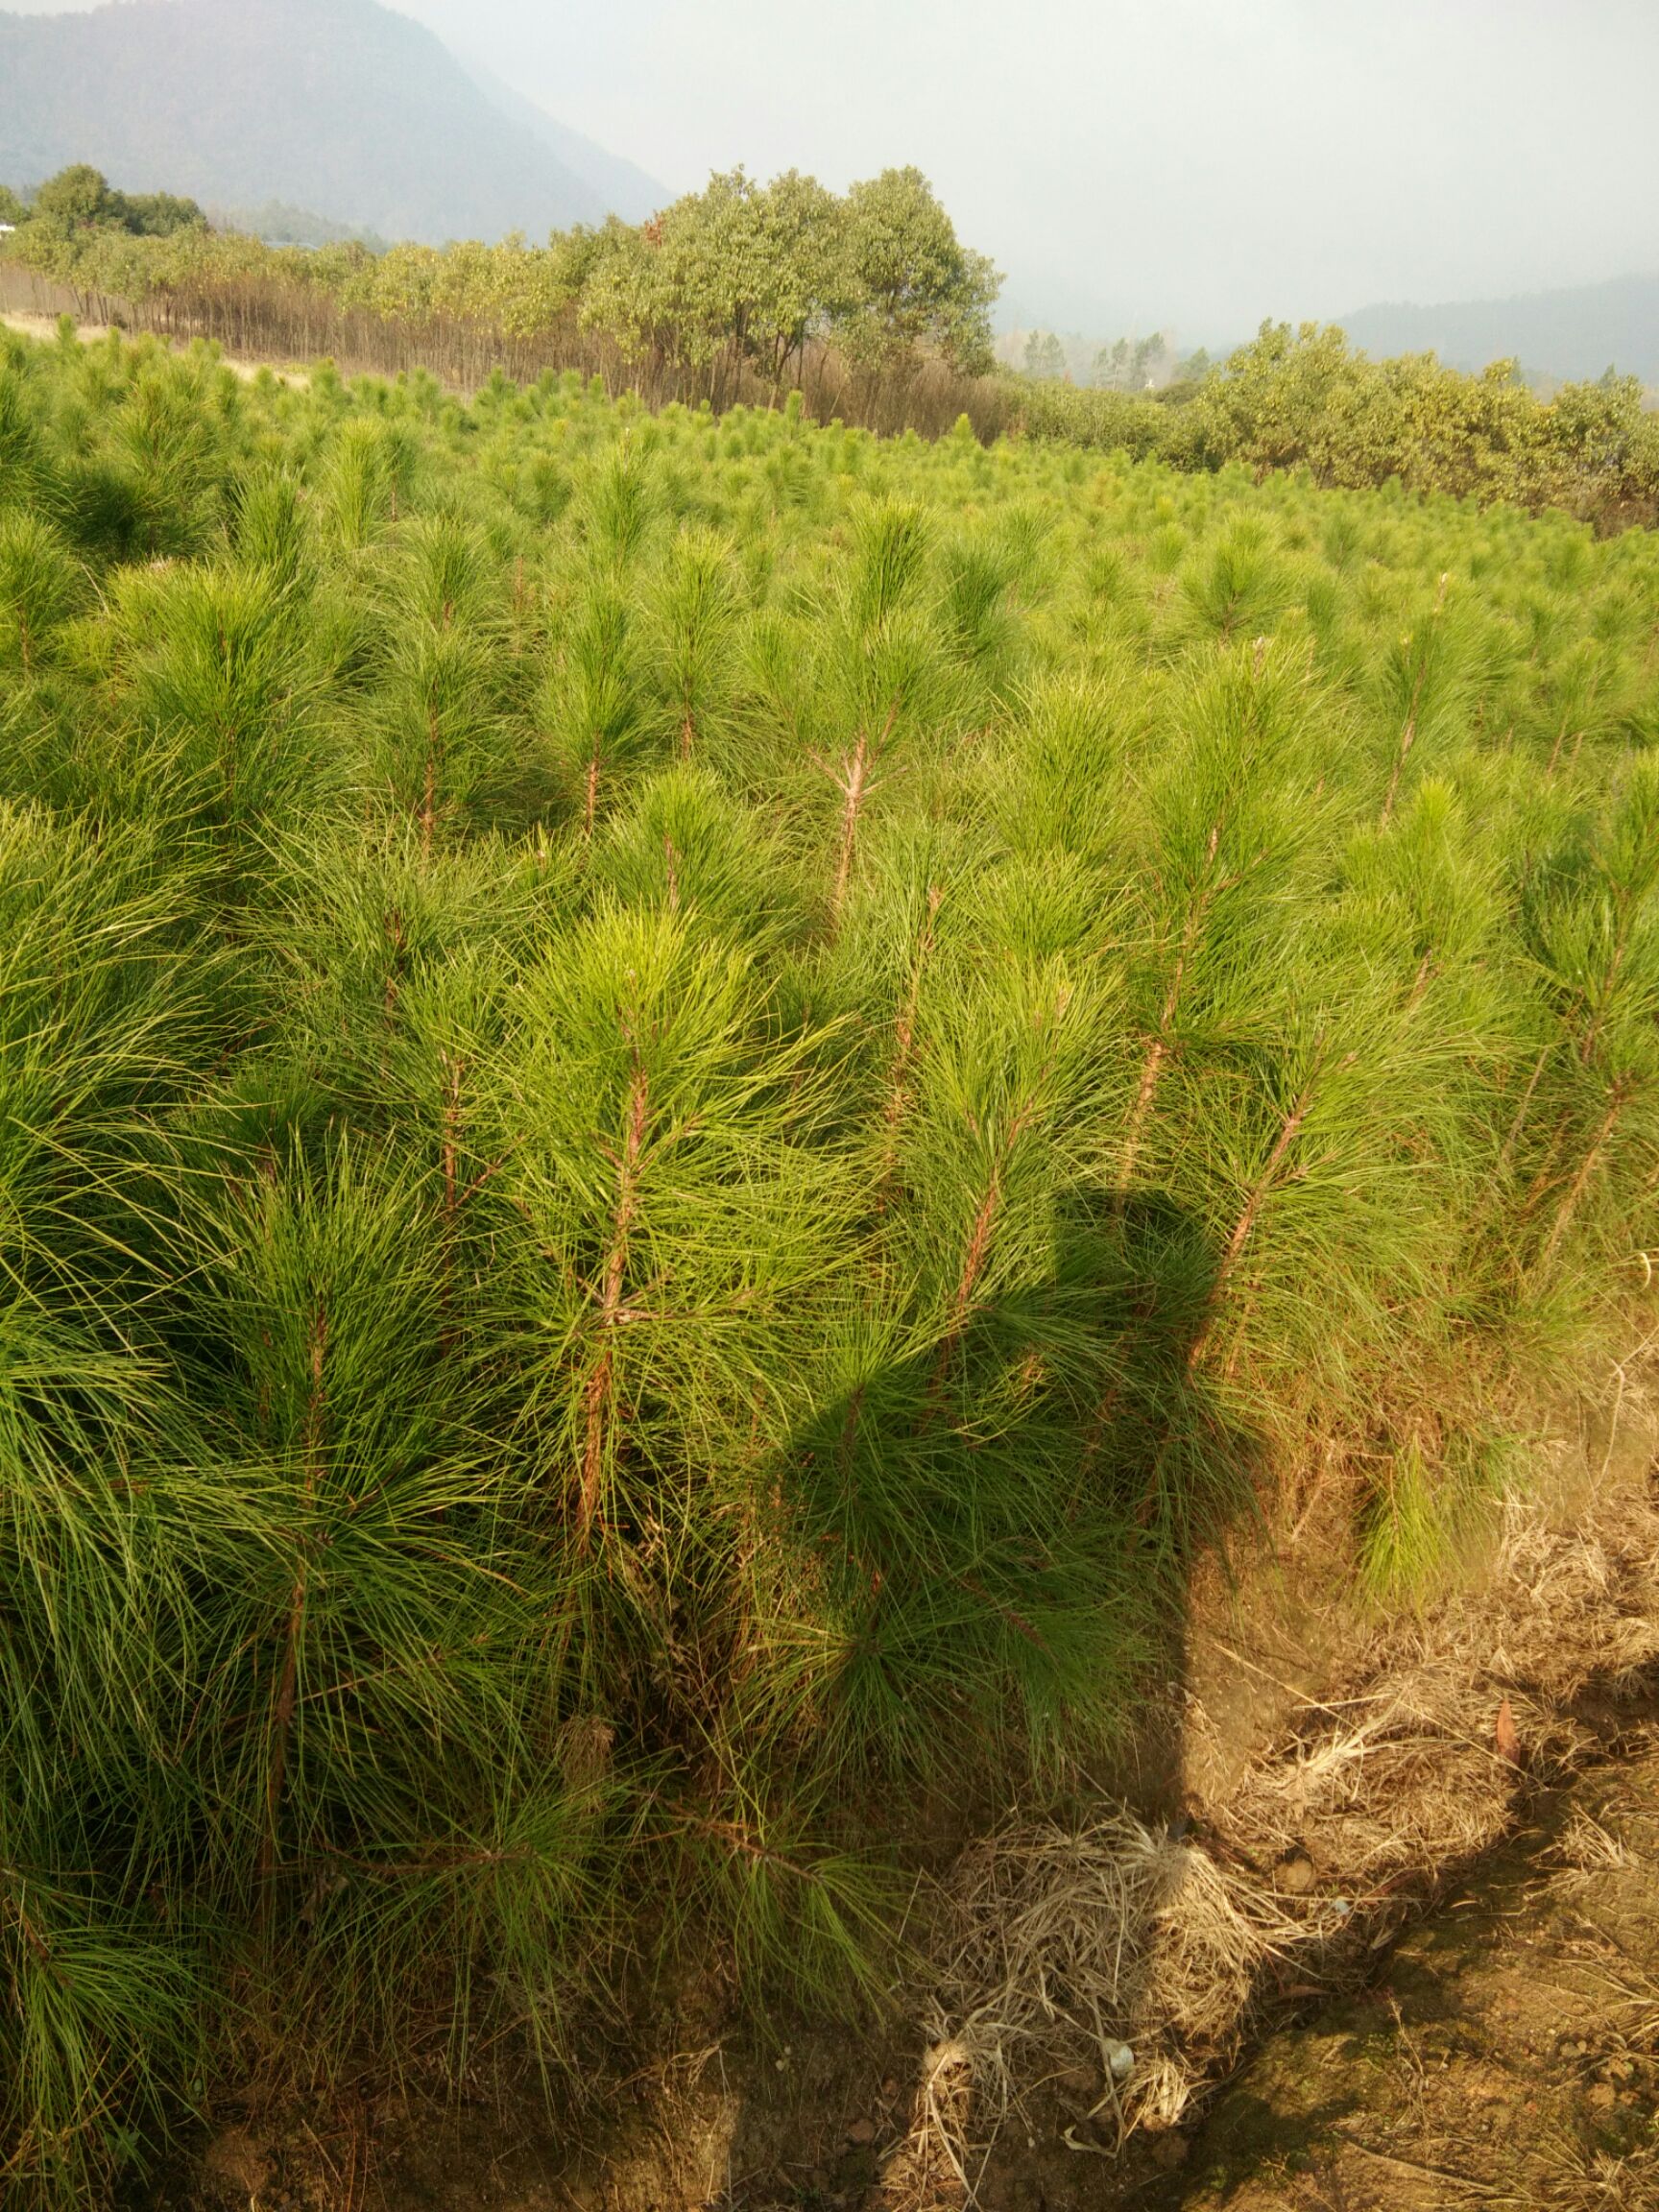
(682, 1099)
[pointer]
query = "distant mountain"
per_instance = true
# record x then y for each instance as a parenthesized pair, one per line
(337, 105)
(1570, 334)
(280, 224)
(624, 189)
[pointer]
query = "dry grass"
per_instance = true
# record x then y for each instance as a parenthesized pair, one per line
(1058, 1942)
(1582, 2179)
(1584, 1846)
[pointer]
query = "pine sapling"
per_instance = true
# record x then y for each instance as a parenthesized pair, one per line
(598, 1393)
(1233, 1251)
(1623, 1092)
(1421, 652)
(286, 1685)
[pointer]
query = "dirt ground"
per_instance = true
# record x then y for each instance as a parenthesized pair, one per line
(1506, 2054)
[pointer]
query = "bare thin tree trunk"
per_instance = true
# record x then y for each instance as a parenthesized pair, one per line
(1157, 1051)
(853, 785)
(1592, 1028)
(973, 1259)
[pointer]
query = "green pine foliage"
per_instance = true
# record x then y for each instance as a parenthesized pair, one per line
(682, 1101)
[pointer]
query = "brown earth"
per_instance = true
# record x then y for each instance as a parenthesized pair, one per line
(1508, 2054)
(1503, 2051)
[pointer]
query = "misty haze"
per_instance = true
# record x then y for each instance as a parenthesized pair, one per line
(1193, 167)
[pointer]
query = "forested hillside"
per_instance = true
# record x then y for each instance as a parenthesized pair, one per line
(344, 108)
(1579, 332)
(687, 1102)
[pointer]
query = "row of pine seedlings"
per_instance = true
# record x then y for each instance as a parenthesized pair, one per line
(681, 1101)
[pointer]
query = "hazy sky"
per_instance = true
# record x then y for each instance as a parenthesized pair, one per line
(1194, 162)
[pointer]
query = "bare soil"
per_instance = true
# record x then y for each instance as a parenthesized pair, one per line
(1506, 2054)
(1503, 2052)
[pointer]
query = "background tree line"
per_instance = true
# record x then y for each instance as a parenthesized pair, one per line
(81, 198)
(1302, 398)
(867, 304)
(1119, 365)
(739, 291)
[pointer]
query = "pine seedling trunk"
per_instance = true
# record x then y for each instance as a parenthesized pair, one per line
(286, 1689)
(1243, 1228)
(1409, 730)
(598, 1395)
(1624, 1090)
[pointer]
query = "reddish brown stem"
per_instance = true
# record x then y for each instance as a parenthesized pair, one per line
(853, 786)
(597, 1395)
(1593, 1027)
(287, 1681)
(1288, 1132)
(1521, 1112)
(1587, 1166)
(979, 1241)
(1159, 1049)
(1151, 1069)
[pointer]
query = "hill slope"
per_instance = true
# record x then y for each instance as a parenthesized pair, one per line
(1575, 332)
(621, 186)
(340, 106)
